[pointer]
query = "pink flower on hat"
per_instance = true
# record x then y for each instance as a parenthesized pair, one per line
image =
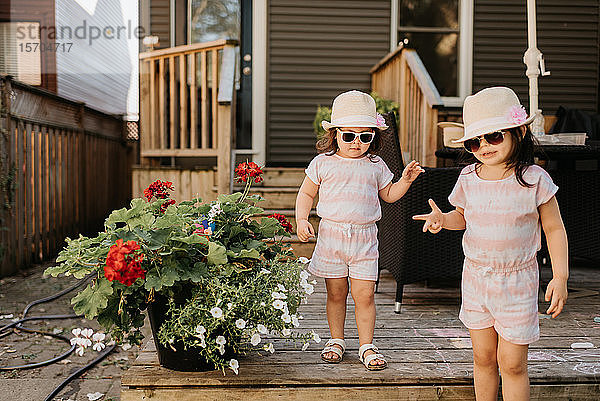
(517, 114)
(380, 120)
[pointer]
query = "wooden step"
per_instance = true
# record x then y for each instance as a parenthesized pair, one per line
(283, 177)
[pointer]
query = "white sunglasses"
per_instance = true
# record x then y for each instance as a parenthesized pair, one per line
(364, 137)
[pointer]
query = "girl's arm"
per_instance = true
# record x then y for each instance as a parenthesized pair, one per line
(436, 220)
(304, 201)
(392, 192)
(556, 238)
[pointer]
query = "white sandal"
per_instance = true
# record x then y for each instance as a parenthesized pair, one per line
(329, 347)
(366, 360)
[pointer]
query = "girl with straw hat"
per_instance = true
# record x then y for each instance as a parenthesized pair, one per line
(502, 202)
(349, 179)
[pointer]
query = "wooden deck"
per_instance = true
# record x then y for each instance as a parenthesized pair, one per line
(428, 349)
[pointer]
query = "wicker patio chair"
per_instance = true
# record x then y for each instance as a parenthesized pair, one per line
(408, 253)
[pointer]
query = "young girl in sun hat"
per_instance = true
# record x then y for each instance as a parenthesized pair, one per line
(349, 179)
(501, 201)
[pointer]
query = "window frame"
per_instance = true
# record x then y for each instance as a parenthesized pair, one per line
(465, 46)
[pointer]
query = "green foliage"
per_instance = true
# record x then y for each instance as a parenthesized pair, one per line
(222, 263)
(324, 112)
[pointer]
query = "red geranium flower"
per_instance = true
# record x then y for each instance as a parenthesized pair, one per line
(123, 263)
(158, 189)
(248, 170)
(283, 221)
(166, 204)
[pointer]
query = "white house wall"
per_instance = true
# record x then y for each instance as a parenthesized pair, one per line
(101, 67)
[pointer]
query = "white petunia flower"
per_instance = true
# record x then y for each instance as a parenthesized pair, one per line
(278, 304)
(99, 337)
(240, 323)
(200, 329)
(305, 346)
(221, 340)
(87, 333)
(281, 288)
(234, 365)
(216, 312)
(270, 348)
(222, 349)
(229, 305)
(286, 318)
(286, 332)
(76, 332)
(316, 337)
(308, 288)
(295, 321)
(255, 339)
(304, 275)
(303, 260)
(262, 329)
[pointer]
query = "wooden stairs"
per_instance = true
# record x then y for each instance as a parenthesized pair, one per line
(279, 188)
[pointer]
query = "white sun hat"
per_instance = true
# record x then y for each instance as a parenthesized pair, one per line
(491, 109)
(354, 109)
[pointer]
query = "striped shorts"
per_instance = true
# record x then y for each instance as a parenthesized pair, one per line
(346, 250)
(506, 299)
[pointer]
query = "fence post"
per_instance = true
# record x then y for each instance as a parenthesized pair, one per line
(226, 119)
(7, 181)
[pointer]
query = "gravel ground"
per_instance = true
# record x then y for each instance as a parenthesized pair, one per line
(21, 348)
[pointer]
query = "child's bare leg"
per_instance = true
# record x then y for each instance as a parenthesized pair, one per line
(485, 363)
(337, 293)
(363, 294)
(512, 359)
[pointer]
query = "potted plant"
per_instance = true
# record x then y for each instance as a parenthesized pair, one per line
(214, 277)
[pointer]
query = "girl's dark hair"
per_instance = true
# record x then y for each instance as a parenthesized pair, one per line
(521, 154)
(327, 143)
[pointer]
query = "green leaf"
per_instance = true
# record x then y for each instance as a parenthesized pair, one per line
(217, 254)
(196, 273)
(245, 253)
(269, 227)
(93, 299)
(192, 239)
(166, 279)
(223, 198)
(117, 216)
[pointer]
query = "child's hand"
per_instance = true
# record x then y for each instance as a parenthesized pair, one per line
(434, 221)
(557, 292)
(412, 171)
(304, 230)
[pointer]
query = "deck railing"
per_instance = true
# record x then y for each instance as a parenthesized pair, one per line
(402, 77)
(188, 104)
(63, 168)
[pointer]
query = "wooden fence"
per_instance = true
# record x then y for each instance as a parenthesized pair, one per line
(402, 77)
(188, 103)
(64, 168)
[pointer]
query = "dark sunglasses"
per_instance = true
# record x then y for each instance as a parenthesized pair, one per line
(364, 137)
(493, 138)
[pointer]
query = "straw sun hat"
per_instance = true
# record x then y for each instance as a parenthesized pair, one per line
(491, 109)
(354, 109)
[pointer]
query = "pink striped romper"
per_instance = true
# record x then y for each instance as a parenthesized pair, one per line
(503, 234)
(349, 206)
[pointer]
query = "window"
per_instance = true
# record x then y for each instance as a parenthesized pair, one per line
(213, 20)
(440, 31)
(20, 53)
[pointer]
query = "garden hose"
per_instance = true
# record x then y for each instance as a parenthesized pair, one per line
(17, 325)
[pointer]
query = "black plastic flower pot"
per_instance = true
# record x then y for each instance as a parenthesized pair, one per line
(177, 358)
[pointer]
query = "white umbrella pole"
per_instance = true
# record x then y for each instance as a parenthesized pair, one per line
(533, 59)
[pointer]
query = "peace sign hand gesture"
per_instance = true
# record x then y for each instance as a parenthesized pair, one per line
(434, 221)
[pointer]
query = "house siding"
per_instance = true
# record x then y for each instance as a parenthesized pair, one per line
(316, 50)
(568, 35)
(160, 21)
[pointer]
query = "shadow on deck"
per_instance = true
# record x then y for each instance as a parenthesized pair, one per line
(428, 349)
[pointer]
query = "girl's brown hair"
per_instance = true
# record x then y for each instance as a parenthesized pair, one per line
(328, 143)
